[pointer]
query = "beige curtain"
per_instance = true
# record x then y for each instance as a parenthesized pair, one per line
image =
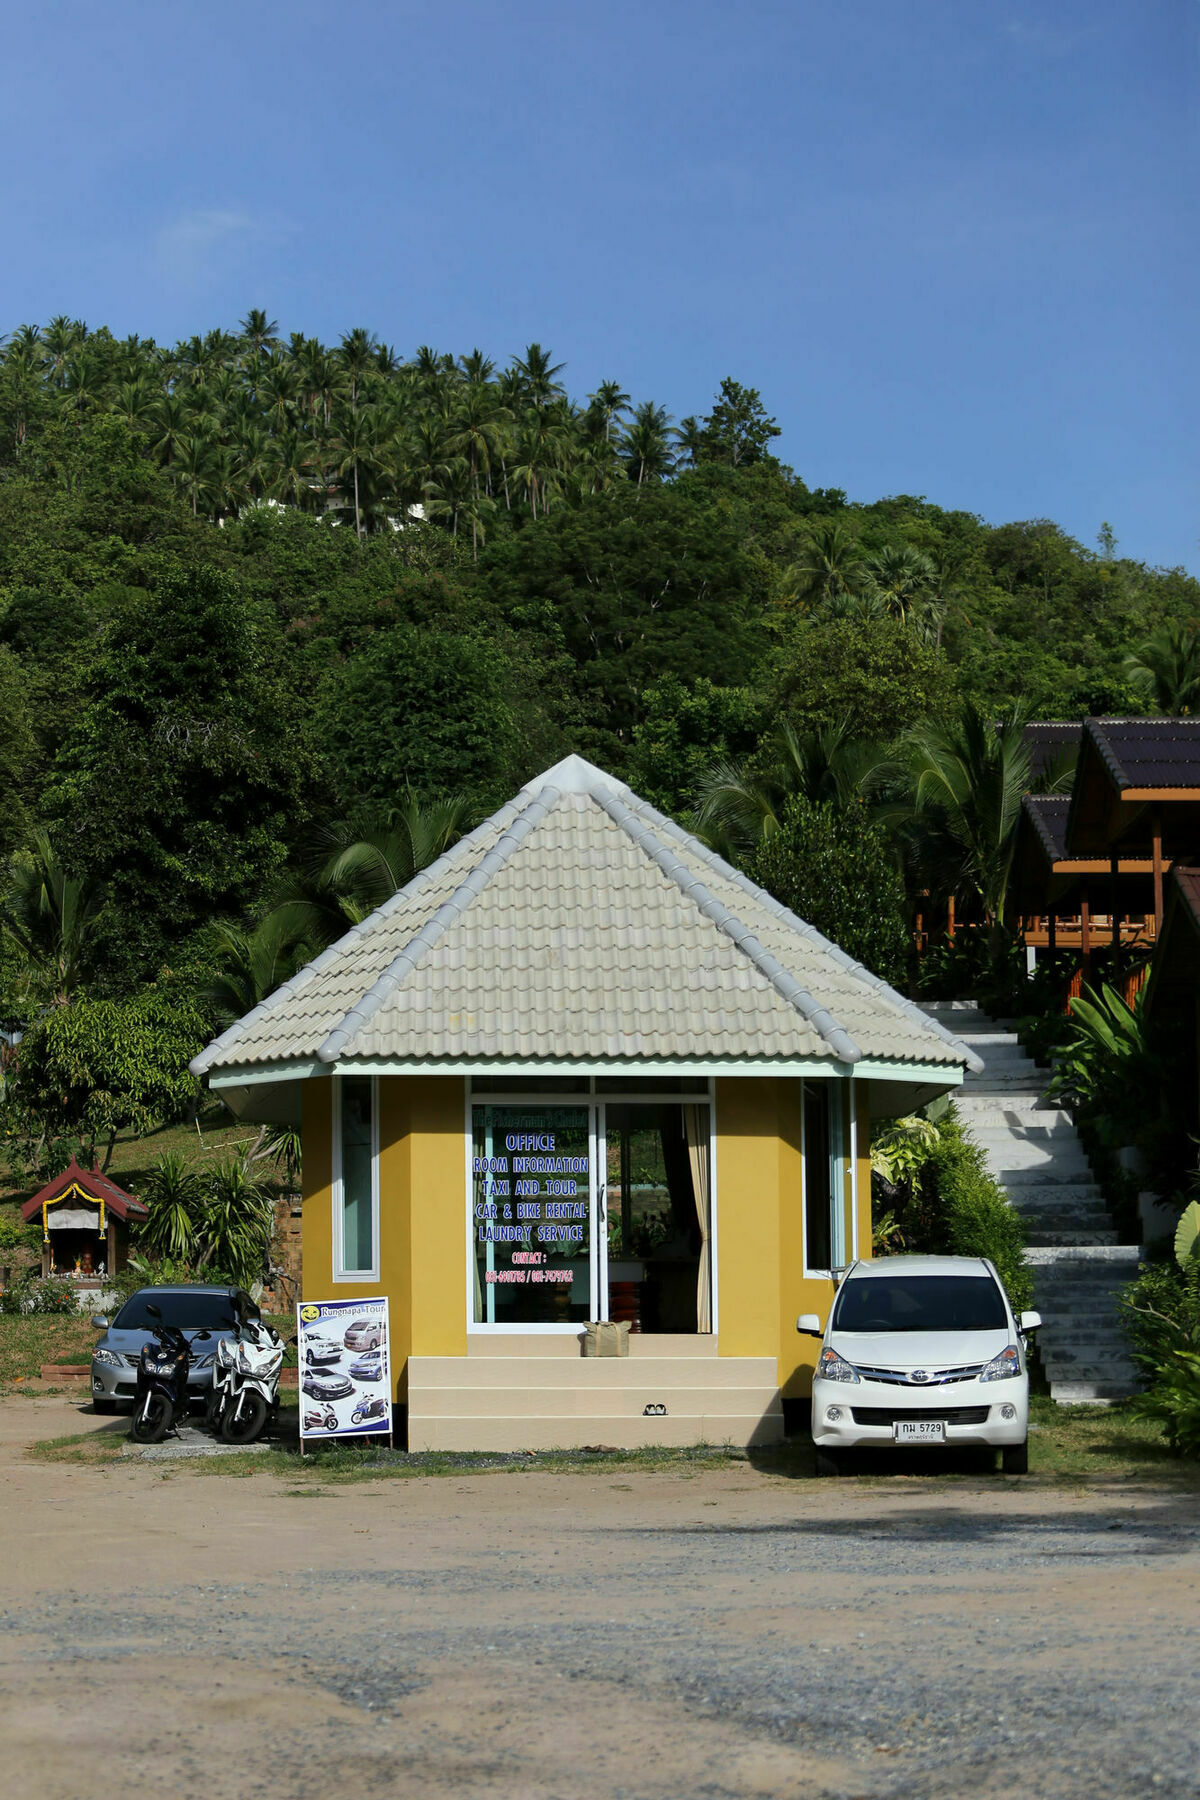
(695, 1124)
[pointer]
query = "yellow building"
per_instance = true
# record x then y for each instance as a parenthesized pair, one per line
(582, 1070)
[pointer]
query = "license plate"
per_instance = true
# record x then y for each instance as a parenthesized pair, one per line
(919, 1431)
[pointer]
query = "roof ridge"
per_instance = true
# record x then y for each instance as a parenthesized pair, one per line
(787, 986)
(200, 1064)
(531, 814)
(907, 1008)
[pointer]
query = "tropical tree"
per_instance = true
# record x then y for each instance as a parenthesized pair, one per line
(646, 444)
(968, 777)
(901, 577)
(830, 567)
(1165, 669)
(742, 805)
(249, 965)
(52, 918)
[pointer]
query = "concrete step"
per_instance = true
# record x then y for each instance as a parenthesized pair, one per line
(1121, 1256)
(563, 1404)
(498, 1431)
(588, 1376)
(1043, 1236)
(1090, 1393)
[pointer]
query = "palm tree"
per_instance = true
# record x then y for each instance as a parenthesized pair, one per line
(1165, 670)
(611, 402)
(537, 374)
(829, 567)
(646, 444)
(741, 806)
(902, 577)
(689, 436)
(197, 469)
(52, 918)
(249, 965)
(968, 778)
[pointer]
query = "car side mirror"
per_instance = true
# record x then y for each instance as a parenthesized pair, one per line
(99, 1321)
(201, 1334)
(810, 1324)
(1029, 1321)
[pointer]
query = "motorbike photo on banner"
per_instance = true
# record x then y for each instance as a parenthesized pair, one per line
(345, 1369)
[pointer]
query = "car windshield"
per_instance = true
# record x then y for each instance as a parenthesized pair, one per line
(186, 1311)
(920, 1303)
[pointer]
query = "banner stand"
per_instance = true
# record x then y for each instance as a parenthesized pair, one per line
(343, 1351)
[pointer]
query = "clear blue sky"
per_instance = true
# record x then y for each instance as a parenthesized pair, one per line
(954, 242)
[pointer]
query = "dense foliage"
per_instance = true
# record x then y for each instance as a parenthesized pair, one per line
(252, 589)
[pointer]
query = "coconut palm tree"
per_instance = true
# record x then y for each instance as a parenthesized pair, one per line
(741, 806)
(829, 567)
(1165, 670)
(611, 402)
(52, 918)
(646, 444)
(538, 374)
(249, 965)
(968, 777)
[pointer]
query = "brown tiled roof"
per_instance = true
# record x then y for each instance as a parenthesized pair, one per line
(90, 1182)
(1188, 883)
(1149, 753)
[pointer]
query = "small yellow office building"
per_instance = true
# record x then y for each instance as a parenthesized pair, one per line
(581, 1070)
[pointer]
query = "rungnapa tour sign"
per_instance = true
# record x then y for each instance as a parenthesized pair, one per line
(345, 1369)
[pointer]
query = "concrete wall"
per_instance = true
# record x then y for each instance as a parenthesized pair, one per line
(759, 1218)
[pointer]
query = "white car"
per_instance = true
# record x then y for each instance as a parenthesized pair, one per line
(921, 1350)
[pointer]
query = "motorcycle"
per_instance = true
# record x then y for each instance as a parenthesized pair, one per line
(161, 1391)
(368, 1409)
(324, 1420)
(245, 1390)
(244, 1394)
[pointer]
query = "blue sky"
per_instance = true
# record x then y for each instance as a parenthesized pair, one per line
(954, 242)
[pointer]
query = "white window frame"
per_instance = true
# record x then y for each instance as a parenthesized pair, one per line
(837, 1177)
(340, 1272)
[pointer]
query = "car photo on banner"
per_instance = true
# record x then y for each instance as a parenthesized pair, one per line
(345, 1370)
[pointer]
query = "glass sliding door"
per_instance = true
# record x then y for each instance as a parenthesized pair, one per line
(659, 1216)
(824, 1178)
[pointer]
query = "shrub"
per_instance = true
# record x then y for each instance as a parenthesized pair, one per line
(1160, 1311)
(31, 1293)
(835, 869)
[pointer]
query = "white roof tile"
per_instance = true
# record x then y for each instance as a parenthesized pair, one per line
(579, 924)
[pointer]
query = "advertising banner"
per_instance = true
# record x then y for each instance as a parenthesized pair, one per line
(345, 1369)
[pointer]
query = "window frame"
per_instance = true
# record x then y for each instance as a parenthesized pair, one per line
(843, 1232)
(340, 1273)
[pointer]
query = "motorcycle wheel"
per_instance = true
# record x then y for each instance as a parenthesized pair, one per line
(212, 1410)
(152, 1426)
(249, 1426)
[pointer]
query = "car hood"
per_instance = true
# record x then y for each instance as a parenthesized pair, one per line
(129, 1343)
(918, 1349)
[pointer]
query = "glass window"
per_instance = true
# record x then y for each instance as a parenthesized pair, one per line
(354, 1185)
(892, 1303)
(824, 1177)
(531, 1215)
(659, 1225)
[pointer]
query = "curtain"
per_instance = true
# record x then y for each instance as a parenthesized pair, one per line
(695, 1124)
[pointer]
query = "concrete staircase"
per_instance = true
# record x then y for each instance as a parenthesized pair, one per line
(1034, 1152)
(526, 1391)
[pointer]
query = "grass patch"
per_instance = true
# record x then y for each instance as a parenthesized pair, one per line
(27, 1341)
(1068, 1445)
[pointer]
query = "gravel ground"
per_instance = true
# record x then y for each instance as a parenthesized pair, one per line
(728, 1633)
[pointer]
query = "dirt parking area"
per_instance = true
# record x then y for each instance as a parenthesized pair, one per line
(648, 1636)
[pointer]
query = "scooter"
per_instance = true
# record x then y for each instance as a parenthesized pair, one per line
(324, 1420)
(245, 1390)
(368, 1409)
(161, 1393)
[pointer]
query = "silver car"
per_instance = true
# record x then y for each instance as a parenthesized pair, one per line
(190, 1308)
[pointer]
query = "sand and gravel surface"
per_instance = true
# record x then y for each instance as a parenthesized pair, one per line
(640, 1636)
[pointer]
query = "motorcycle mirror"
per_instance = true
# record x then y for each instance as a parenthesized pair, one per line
(201, 1334)
(154, 1311)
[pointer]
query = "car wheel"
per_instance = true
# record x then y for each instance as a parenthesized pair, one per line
(1014, 1459)
(104, 1406)
(828, 1463)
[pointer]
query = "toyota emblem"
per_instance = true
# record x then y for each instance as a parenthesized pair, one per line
(920, 1375)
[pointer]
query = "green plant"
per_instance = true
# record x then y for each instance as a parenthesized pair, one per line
(1107, 1070)
(15, 1234)
(173, 1197)
(1174, 1401)
(238, 1220)
(43, 1294)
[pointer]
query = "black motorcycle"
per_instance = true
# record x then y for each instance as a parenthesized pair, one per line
(161, 1394)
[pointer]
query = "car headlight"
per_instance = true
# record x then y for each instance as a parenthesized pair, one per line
(833, 1367)
(1004, 1366)
(109, 1357)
